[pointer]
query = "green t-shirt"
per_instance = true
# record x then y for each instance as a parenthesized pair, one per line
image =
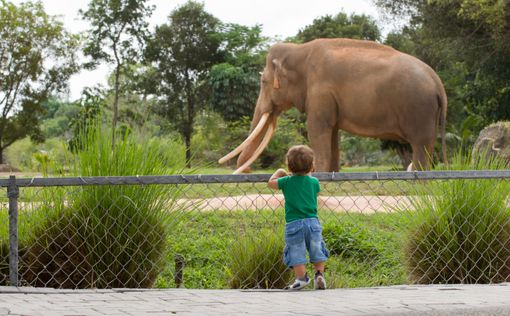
(300, 194)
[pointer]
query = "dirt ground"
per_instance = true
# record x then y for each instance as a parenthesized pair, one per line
(354, 203)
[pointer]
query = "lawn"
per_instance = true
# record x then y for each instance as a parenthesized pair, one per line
(366, 250)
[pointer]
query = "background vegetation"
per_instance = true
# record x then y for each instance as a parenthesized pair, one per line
(171, 101)
(202, 93)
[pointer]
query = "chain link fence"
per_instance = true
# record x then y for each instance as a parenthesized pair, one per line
(226, 231)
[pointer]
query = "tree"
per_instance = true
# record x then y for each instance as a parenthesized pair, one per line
(119, 31)
(235, 83)
(182, 53)
(341, 25)
(37, 57)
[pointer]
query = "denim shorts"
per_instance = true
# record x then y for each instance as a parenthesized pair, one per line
(301, 236)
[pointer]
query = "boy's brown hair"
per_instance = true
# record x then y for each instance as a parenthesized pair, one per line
(300, 159)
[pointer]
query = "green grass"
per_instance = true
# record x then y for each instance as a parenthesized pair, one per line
(207, 239)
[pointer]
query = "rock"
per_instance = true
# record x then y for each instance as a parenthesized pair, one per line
(494, 141)
(8, 168)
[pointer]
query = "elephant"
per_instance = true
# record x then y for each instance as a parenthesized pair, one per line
(362, 87)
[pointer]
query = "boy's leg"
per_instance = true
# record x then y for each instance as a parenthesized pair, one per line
(294, 254)
(299, 271)
(319, 267)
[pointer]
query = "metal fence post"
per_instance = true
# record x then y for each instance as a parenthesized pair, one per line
(12, 194)
(179, 268)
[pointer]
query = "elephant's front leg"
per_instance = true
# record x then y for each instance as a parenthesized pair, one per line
(323, 138)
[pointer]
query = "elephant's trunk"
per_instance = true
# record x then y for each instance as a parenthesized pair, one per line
(263, 127)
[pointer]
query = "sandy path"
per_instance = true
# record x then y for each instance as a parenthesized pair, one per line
(352, 203)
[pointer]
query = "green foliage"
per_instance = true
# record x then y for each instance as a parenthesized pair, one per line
(117, 25)
(341, 25)
(182, 65)
(235, 83)
(19, 155)
(400, 41)
(487, 14)
(37, 59)
(27, 156)
(362, 151)
(118, 33)
(115, 236)
(462, 229)
(208, 141)
(349, 241)
(244, 46)
(91, 103)
(57, 117)
(234, 90)
(255, 261)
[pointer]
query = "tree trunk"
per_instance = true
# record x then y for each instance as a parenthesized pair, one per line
(1, 155)
(507, 17)
(115, 104)
(190, 119)
(187, 142)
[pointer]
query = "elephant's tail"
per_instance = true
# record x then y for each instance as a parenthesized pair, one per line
(443, 105)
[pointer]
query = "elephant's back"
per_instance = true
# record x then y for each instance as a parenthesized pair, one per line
(347, 43)
(351, 61)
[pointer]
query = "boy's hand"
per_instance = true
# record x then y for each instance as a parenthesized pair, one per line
(280, 173)
(273, 181)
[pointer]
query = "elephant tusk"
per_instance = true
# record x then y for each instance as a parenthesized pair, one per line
(249, 139)
(262, 146)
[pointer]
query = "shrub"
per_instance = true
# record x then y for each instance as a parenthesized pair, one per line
(27, 156)
(20, 154)
(256, 262)
(208, 139)
(349, 241)
(104, 236)
(462, 234)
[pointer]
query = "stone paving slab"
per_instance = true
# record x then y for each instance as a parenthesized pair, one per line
(395, 300)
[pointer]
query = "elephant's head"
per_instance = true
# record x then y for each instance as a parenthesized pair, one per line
(278, 92)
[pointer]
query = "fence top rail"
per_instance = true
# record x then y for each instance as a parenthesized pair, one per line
(252, 178)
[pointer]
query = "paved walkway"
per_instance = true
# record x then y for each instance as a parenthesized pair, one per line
(395, 300)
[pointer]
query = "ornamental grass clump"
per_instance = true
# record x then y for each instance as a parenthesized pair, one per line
(105, 236)
(255, 262)
(462, 229)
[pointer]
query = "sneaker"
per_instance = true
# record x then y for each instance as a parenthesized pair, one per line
(298, 284)
(319, 283)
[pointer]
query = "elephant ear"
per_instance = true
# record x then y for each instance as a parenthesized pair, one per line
(277, 73)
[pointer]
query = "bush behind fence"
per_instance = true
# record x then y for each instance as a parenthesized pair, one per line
(226, 231)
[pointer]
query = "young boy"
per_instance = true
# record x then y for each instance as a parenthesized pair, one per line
(303, 231)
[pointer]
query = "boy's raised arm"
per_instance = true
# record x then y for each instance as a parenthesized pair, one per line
(273, 181)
